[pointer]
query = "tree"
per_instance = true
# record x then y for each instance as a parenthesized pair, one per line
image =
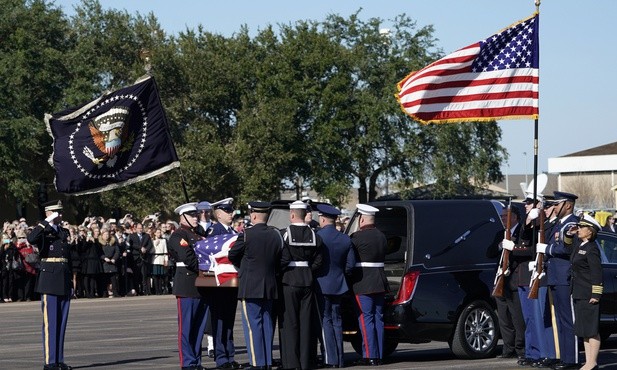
(32, 77)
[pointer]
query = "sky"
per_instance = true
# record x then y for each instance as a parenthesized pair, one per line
(578, 54)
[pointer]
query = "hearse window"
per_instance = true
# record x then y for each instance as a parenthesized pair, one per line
(392, 221)
(608, 246)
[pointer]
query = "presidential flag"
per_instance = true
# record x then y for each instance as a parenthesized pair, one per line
(212, 255)
(496, 78)
(118, 139)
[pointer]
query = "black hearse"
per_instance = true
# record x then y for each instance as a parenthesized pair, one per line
(440, 274)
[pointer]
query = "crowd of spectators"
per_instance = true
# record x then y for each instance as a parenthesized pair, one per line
(109, 258)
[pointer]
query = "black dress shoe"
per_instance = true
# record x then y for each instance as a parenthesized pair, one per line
(374, 362)
(565, 366)
(63, 366)
(544, 363)
(525, 362)
(328, 366)
(50, 367)
(235, 365)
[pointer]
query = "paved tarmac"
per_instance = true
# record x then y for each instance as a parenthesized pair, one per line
(141, 333)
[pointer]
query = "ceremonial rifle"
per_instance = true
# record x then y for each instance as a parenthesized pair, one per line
(504, 261)
(538, 269)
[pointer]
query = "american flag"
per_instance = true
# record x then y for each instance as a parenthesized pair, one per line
(212, 256)
(495, 78)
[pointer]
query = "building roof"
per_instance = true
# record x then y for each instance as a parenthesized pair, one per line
(607, 149)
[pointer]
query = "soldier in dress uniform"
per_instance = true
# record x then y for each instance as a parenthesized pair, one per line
(370, 284)
(257, 254)
(557, 254)
(205, 208)
(54, 282)
(191, 305)
(338, 261)
(223, 300)
(301, 257)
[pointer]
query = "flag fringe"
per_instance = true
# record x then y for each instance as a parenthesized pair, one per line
(129, 181)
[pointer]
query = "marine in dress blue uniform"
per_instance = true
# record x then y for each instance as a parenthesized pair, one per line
(257, 254)
(54, 282)
(223, 301)
(338, 261)
(192, 306)
(301, 257)
(558, 280)
(370, 284)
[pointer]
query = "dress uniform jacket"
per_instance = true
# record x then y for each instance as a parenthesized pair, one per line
(302, 244)
(586, 280)
(55, 277)
(558, 253)
(370, 246)
(180, 247)
(338, 260)
(220, 229)
(520, 257)
(256, 254)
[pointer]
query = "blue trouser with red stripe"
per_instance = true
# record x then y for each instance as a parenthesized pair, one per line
(370, 319)
(191, 325)
(55, 316)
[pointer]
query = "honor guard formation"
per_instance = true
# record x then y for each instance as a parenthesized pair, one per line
(290, 283)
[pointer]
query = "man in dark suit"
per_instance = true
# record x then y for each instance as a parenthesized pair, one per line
(191, 305)
(300, 259)
(256, 254)
(142, 249)
(54, 282)
(370, 284)
(338, 261)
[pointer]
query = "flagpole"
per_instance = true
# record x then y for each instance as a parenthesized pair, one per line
(534, 237)
(145, 54)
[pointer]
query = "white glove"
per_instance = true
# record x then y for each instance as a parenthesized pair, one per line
(533, 214)
(52, 217)
(532, 265)
(507, 244)
(541, 248)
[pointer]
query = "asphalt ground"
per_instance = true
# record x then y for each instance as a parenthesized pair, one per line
(141, 333)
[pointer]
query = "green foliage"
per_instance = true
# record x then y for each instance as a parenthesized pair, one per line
(307, 103)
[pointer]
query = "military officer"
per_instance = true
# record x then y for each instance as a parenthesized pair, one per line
(191, 305)
(54, 282)
(370, 284)
(338, 261)
(223, 300)
(301, 257)
(557, 254)
(256, 254)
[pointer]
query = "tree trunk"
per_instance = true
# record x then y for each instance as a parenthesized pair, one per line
(362, 190)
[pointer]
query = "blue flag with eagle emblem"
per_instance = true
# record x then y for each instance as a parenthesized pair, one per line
(115, 140)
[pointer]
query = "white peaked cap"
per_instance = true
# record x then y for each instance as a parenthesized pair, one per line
(298, 204)
(187, 207)
(365, 209)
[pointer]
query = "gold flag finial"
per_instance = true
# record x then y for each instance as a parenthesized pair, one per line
(145, 55)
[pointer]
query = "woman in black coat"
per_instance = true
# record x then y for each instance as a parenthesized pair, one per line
(91, 265)
(110, 255)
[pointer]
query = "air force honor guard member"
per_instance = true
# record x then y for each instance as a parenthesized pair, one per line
(192, 306)
(370, 284)
(54, 282)
(338, 261)
(257, 254)
(557, 253)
